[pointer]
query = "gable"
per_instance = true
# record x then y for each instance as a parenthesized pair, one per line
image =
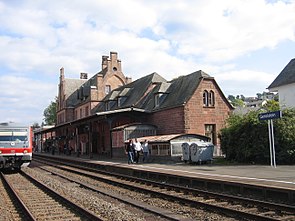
(287, 76)
(211, 85)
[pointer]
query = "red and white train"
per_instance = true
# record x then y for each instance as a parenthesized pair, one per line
(16, 146)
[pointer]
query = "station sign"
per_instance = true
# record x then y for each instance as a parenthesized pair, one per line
(270, 115)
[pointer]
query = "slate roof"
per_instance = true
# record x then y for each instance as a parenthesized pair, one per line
(287, 76)
(75, 86)
(141, 93)
(134, 92)
(70, 87)
(182, 88)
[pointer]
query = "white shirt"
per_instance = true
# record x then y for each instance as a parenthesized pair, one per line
(145, 147)
(137, 146)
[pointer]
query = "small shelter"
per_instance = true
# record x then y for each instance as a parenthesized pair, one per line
(129, 131)
(169, 147)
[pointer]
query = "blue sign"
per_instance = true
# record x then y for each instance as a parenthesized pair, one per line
(270, 115)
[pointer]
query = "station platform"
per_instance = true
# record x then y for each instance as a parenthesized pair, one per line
(283, 176)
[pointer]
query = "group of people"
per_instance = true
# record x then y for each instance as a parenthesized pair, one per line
(133, 150)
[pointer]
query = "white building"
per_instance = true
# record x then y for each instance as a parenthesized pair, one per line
(284, 84)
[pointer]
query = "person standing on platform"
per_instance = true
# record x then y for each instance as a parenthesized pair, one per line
(138, 149)
(130, 151)
(146, 152)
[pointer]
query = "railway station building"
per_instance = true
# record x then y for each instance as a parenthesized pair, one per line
(97, 115)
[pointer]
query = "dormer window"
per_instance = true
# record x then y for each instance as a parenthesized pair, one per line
(110, 104)
(121, 100)
(157, 100)
(159, 97)
(107, 106)
(208, 98)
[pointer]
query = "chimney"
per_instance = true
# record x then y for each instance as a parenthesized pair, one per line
(119, 65)
(62, 74)
(128, 80)
(114, 56)
(104, 62)
(83, 76)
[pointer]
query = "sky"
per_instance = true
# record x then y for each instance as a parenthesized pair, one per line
(243, 44)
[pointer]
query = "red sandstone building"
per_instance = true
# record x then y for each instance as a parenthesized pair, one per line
(98, 114)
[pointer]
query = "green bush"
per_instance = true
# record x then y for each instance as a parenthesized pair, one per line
(245, 139)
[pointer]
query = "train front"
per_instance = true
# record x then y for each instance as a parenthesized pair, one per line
(15, 146)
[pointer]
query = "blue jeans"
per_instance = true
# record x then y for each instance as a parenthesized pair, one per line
(145, 156)
(130, 157)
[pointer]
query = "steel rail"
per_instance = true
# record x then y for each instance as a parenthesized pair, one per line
(221, 209)
(85, 213)
(29, 216)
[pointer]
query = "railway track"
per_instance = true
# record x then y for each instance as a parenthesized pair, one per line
(13, 209)
(217, 203)
(40, 202)
(148, 212)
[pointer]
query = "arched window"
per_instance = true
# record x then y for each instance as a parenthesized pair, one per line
(107, 89)
(211, 99)
(205, 98)
(208, 98)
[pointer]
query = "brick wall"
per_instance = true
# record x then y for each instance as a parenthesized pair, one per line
(69, 114)
(196, 115)
(169, 121)
(192, 117)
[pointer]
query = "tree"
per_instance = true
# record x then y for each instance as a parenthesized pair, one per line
(272, 105)
(231, 98)
(35, 125)
(259, 96)
(285, 137)
(236, 101)
(245, 139)
(50, 113)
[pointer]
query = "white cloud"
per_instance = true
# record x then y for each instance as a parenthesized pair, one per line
(23, 99)
(172, 38)
(246, 82)
(223, 30)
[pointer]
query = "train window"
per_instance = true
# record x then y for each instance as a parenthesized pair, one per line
(13, 135)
